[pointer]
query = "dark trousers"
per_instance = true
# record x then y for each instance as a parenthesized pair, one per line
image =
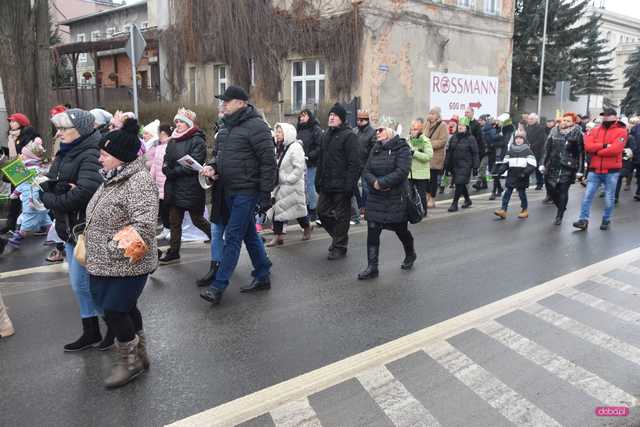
(334, 211)
(15, 208)
(278, 226)
(506, 197)
(176, 215)
(374, 230)
(539, 179)
(124, 325)
(164, 214)
(433, 182)
(423, 186)
(461, 191)
(559, 194)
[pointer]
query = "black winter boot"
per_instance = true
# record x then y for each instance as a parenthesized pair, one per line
(211, 274)
(90, 335)
(454, 206)
(108, 341)
(371, 272)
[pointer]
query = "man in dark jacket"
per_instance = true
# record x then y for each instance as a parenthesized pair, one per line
(366, 139)
(310, 133)
(338, 172)
(475, 127)
(246, 168)
(536, 137)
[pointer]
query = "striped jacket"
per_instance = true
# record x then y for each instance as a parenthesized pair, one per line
(522, 163)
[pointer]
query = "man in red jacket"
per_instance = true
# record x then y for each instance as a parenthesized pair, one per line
(605, 144)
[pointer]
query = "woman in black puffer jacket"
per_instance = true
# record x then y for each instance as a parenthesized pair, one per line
(462, 159)
(386, 174)
(182, 190)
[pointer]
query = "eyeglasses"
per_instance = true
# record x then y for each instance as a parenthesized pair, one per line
(379, 130)
(362, 120)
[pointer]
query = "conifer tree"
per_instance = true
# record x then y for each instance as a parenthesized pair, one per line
(630, 105)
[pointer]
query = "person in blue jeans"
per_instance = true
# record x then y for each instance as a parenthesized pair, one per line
(244, 164)
(74, 177)
(604, 145)
(310, 133)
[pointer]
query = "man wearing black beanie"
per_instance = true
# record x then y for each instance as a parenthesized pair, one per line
(338, 172)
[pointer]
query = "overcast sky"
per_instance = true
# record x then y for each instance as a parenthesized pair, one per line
(625, 7)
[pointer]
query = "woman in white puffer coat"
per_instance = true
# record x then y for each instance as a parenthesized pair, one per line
(289, 194)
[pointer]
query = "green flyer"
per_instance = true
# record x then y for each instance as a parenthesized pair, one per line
(17, 173)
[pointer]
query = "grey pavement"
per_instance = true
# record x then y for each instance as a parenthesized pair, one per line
(317, 313)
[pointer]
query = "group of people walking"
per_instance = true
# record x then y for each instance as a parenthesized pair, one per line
(111, 180)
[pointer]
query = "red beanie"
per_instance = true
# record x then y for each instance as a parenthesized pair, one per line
(57, 110)
(20, 118)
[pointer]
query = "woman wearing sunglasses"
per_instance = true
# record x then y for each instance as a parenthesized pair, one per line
(386, 174)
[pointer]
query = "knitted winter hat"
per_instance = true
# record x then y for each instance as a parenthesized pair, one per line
(101, 116)
(339, 111)
(152, 128)
(76, 118)
(185, 116)
(34, 150)
(57, 109)
(123, 144)
(20, 118)
(363, 114)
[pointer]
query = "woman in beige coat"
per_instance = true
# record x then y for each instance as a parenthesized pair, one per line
(436, 130)
(6, 327)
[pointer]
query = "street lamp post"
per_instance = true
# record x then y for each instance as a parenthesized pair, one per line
(544, 43)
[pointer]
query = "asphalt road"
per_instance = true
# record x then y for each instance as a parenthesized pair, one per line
(316, 313)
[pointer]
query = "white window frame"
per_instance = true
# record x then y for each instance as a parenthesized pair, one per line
(252, 65)
(82, 58)
(95, 36)
(304, 78)
(467, 4)
(496, 7)
(110, 32)
(222, 80)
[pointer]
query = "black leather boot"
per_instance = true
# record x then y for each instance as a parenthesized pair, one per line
(211, 274)
(371, 272)
(90, 335)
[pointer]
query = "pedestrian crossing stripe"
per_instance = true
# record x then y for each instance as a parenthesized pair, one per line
(602, 305)
(566, 370)
(395, 400)
(296, 413)
(617, 284)
(587, 333)
(508, 402)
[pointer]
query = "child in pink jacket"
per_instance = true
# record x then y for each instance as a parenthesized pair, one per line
(157, 159)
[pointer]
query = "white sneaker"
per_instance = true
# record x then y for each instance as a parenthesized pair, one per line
(164, 235)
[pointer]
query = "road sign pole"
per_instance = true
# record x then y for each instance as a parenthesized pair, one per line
(134, 79)
(544, 43)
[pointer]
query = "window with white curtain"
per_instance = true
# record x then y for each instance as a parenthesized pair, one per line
(492, 7)
(307, 83)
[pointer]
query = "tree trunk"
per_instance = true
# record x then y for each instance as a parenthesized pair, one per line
(17, 57)
(43, 72)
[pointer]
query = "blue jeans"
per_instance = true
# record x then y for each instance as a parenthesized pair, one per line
(365, 191)
(217, 241)
(310, 187)
(241, 227)
(79, 278)
(506, 197)
(609, 180)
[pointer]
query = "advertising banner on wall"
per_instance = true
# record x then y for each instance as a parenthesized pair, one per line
(454, 93)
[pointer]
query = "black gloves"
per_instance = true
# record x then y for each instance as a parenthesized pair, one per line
(265, 201)
(475, 171)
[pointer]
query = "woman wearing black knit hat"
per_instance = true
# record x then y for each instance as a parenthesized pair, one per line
(121, 246)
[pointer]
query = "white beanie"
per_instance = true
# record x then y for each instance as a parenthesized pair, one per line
(152, 128)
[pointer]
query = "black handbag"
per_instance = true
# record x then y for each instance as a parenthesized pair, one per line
(415, 209)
